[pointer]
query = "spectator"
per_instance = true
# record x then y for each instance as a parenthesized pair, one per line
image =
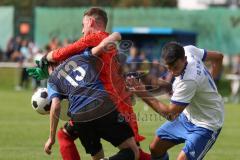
(25, 56)
(133, 61)
(1, 54)
(65, 42)
(235, 83)
(54, 43)
(10, 49)
(16, 55)
(236, 65)
(145, 64)
(154, 71)
(33, 48)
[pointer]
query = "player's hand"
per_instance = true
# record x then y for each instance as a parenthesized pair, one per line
(38, 73)
(43, 63)
(48, 145)
(135, 85)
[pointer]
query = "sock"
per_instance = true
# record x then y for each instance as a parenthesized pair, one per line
(124, 154)
(164, 157)
(68, 148)
(143, 155)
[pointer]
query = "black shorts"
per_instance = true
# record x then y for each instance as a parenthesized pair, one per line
(112, 128)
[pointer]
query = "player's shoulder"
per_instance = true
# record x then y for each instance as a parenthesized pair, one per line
(192, 49)
(189, 50)
(82, 56)
(189, 47)
(195, 52)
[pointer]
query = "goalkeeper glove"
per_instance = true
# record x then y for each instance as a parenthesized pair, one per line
(38, 73)
(41, 71)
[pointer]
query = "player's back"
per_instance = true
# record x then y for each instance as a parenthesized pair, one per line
(113, 79)
(78, 79)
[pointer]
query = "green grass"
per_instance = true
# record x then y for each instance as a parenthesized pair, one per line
(24, 132)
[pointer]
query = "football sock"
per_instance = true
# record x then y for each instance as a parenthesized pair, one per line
(124, 154)
(143, 155)
(68, 148)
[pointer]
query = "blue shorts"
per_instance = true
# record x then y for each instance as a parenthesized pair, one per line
(197, 140)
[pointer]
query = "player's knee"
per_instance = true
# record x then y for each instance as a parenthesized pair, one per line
(153, 149)
(136, 153)
(135, 149)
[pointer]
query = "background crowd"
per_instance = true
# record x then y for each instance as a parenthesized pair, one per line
(25, 52)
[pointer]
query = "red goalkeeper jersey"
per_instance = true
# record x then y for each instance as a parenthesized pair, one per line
(112, 80)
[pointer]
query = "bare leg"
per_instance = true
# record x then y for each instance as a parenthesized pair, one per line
(159, 147)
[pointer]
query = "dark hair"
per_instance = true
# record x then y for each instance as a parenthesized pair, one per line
(171, 52)
(98, 13)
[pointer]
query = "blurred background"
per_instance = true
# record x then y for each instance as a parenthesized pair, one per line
(31, 28)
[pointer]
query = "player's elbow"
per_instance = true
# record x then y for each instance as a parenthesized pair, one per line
(219, 59)
(214, 56)
(218, 56)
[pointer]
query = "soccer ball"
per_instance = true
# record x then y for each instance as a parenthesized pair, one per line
(40, 101)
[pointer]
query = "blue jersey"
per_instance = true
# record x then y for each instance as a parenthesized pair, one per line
(77, 78)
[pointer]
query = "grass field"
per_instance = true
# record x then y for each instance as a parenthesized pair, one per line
(24, 132)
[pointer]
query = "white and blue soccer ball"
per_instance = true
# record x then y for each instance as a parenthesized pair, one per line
(40, 102)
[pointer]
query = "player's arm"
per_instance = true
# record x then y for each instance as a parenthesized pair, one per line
(170, 111)
(55, 97)
(108, 44)
(159, 86)
(61, 54)
(215, 58)
(54, 119)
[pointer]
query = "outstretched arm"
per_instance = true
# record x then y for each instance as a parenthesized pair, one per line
(158, 85)
(61, 54)
(170, 111)
(215, 58)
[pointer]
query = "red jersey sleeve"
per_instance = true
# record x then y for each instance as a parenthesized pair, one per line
(90, 40)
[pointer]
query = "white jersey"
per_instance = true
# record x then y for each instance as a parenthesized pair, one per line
(196, 89)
